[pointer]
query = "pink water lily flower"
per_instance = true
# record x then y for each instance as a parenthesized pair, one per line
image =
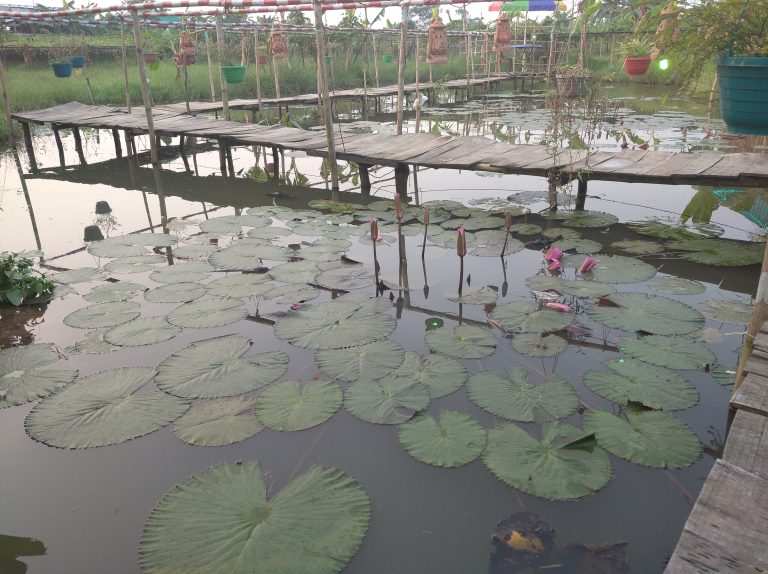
(554, 265)
(461, 242)
(553, 253)
(296, 306)
(562, 307)
(587, 265)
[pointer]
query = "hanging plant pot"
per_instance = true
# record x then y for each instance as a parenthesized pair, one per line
(150, 57)
(637, 66)
(328, 59)
(78, 61)
(92, 233)
(262, 59)
(503, 36)
(573, 85)
(388, 58)
(233, 74)
(278, 44)
(62, 69)
(744, 94)
(103, 208)
(437, 44)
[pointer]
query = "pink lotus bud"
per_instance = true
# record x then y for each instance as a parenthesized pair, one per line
(296, 306)
(587, 265)
(374, 229)
(398, 207)
(562, 307)
(553, 254)
(554, 265)
(461, 242)
(426, 216)
(507, 220)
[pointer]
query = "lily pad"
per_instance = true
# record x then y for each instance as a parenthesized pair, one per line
(181, 273)
(463, 342)
(561, 233)
(219, 368)
(145, 331)
(440, 374)
(221, 521)
(650, 438)
(21, 380)
(589, 219)
(136, 264)
(289, 294)
(389, 401)
(670, 352)
(195, 251)
(295, 272)
(613, 268)
(638, 247)
(525, 229)
(490, 243)
(648, 313)
(103, 409)
(103, 315)
(528, 317)
(365, 362)
(240, 285)
(584, 246)
(548, 468)
(269, 233)
(573, 287)
(724, 375)
(720, 252)
(92, 343)
(227, 225)
(676, 285)
(482, 296)
(113, 292)
(77, 276)
(514, 398)
(728, 311)
(453, 440)
(294, 406)
(660, 229)
(176, 293)
(635, 381)
(206, 313)
(346, 278)
(536, 345)
(130, 245)
(248, 257)
(218, 422)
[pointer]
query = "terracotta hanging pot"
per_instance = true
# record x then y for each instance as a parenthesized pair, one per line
(437, 45)
(278, 44)
(503, 36)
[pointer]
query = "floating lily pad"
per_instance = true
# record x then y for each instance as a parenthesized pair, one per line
(346, 278)
(589, 219)
(676, 285)
(219, 368)
(525, 228)
(463, 342)
(218, 422)
(635, 381)
(391, 400)
(528, 317)
(548, 468)
(650, 438)
(295, 272)
(536, 345)
(720, 252)
(454, 439)
(638, 247)
(573, 287)
(181, 273)
(670, 352)
(103, 315)
(482, 296)
(584, 246)
(561, 233)
(289, 294)
(136, 264)
(176, 293)
(21, 380)
(365, 362)
(248, 257)
(728, 311)
(269, 233)
(130, 245)
(490, 243)
(613, 268)
(102, 409)
(294, 406)
(113, 292)
(145, 331)
(240, 285)
(206, 313)
(222, 521)
(77, 276)
(648, 313)
(227, 225)
(660, 229)
(440, 374)
(724, 375)
(514, 398)
(195, 251)
(92, 343)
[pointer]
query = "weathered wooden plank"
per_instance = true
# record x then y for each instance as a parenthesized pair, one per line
(734, 164)
(619, 161)
(522, 156)
(685, 164)
(752, 395)
(563, 158)
(697, 555)
(747, 445)
(481, 154)
(648, 162)
(446, 144)
(584, 165)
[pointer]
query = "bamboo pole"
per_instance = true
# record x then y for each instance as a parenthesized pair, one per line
(276, 70)
(468, 44)
(712, 94)
(125, 68)
(759, 316)
(258, 73)
(222, 81)
(7, 104)
(210, 66)
(376, 59)
(321, 49)
(418, 97)
(552, 47)
(145, 87)
(401, 69)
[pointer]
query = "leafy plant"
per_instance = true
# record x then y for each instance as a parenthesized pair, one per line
(635, 48)
(20, 283)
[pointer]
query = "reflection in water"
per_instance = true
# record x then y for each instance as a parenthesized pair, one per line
(11, 547)
(17, 324)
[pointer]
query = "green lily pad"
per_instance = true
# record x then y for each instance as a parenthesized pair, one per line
(248, 257)
(676, 285)
(482, 296)
(103, 409)
(145, 331)
(635, 381)
(528, 317)
(365, 362)
(648, 313)
(525, 228)
(561, 233)
(218, 422)
(573, 287)
(660, 229)
(589, 219)
(289, 294)
(724, 375)
(650, 438)
(77, 276)
(613, 268)
(514, 398)
(218, 367)
(453, 440)
(537, 345)
(294, 406)
(113, 292)
(195, 251)
(388, 401)
(240, 285)
(584, 246)
(181, 273)
(21, 380)
(295, 272)
(670, 352)
(548, 468)
(440, 374)
(92, 343)
(638, 247)
(227, 225)
(206, 313)
(463, 342)
(221, 521)
(490, 243)
(728, 311)
(346, 278)
(103, 315)
(130, 245)
(720, 252)
(135, 264)
(269, 233)
(176, 293)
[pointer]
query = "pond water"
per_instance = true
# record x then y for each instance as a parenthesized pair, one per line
(89, 505)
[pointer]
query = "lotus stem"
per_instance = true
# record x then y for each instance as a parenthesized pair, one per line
(426, 225)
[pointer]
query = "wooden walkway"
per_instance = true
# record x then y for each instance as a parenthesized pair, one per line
(727, 530)
(425, 149)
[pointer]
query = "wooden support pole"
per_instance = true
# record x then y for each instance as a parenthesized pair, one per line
(7, 104)
(25, 190)
(365, 179)
(138, 41)
(125, 68)
(258, 72)
(418, 94)
(402, 171)
(186, 82)
(401, 69)
(581, 194)
(222, 159)
(127, 137)
(210, 66)
(230, 161)
(118, 147)
(28, 144)
(276, 163)
(59, 145)
(321, 48)
(276, 70)
(90, 90)
(222, 81)
(468, 43)
(552, 195)
(376, 59)
(78, 144)
(759, 316)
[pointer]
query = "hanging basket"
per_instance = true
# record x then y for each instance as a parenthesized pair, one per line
(92, 233)
(78, 61)
(150, 57)
(503, 36)
(437, 45)
(278, 44)
(62, 69)
(387, 58)
(744, 94)
(637, 66)
(262, 59)
(233, 74)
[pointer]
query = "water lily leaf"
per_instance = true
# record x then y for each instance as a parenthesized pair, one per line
(573, 287)
(77, 276)
(654, 387)
(536, 345)
(293, 406)
(218, 422)
(588, 219)
(454, 439)
(584, 246)
(176, 293)
(103, 315)
(365, 362)
(728, 311)
(195, 251)
(720, 252)
(113, 292)
(546, 468)
(226, 225)
(388, 401)
(638, 247)
(181, 273)
(650, 438)
(613, 268)
(650, 313)
(269, 232)
(482, 296)
(218, 367)
(488, 222)
(660, 229)
(206, 313)
(240, 285)
(20, 379)
(525, 228)
(135, 264)
(103, 409)
(130, 245)
(725, 376)
(145, 331)
(315, 524)
(440, 374)
(514, 398)
(463, 342)
(334, 325)
(251, 220)
(93, 342)
(489, 244)
(248, 256)
(527, 317)
(295, 272)
(670, 352)
(288, 294)
(676, 285)
(346, 278)
(561, 233)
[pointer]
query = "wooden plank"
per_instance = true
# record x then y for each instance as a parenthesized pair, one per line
(619, 160)
(521, 157)
(648, 162)
(585, 164)
(481, 154)
(697, 555)
(734, 164)
(752, 395)
(685, 164)
(747, 445)
(563, 158)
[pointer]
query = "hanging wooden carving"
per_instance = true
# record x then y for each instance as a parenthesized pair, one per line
(278, 44)
(503, 36)
(437, 45)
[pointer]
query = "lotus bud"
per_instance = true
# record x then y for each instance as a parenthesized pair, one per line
(461, 242)
(426, 216)
(554, 265)
(562, 307)
(553, 254)
(374, 229)
(507, 220)
(587, 265)
(398, 207)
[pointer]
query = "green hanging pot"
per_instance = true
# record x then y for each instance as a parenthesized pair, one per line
(92, 233)
(102, 208)
(744, 93)
(233, 74)
(388, 58)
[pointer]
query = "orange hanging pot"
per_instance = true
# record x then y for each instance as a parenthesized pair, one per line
(503, 36)
(437, 45)
(278, 44)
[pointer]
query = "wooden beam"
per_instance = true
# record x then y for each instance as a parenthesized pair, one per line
(59, 146)
(138, 41)
(222, 81)
(401, 69)
(322, 50)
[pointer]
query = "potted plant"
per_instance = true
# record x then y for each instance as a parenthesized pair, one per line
(60, 57)
(572, 81)
(637, 56)
(233, 73)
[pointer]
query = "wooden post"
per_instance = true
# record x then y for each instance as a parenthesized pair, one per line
(118, 147)
(320, 38)
(59, 145)
(125, 68)
(210, 66)
(78, 144)
(552, 196)
(276, 163)
(365, 180)
(230, 162)
(28, 144)
(552, 53)
(376, 59)
(186, 82)
(418, 94)
(219, 48)
(468, 43)
(401, 69)
(712, 94)
(759, 316)
(27, 197)
(402, 172)
(7, 104)
(90, 90)
(276, 72)
(258, 73)
(145, 87)
(581, 193)
(222, 158)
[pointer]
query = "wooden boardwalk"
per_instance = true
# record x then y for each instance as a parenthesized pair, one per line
(727, 530)
(424, 149)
